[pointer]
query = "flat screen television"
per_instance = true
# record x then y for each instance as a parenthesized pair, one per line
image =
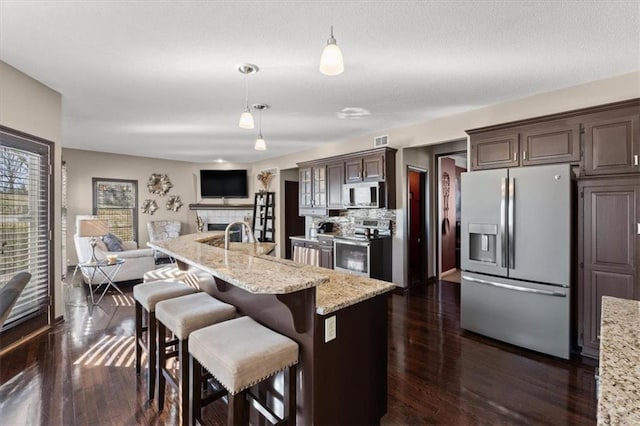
(223, 184)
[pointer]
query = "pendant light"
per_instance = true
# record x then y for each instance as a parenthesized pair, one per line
(260, 143)
(331, 62)
(246, 119)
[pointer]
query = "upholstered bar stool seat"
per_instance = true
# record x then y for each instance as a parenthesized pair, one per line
(183, 315)
(147, 295)
(240, 353)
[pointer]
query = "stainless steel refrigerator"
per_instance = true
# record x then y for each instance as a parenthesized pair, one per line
(516, 256)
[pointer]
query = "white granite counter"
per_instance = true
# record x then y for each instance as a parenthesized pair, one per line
(241, 266)
(248, 267)
(619, 401)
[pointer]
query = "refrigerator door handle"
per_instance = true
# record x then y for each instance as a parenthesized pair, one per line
(503, 214)
(511, 224)
(516, 288)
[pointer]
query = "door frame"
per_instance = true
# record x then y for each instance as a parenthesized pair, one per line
(438, 192)
(424, 223)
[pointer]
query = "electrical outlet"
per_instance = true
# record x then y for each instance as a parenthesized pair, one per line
(330, 329)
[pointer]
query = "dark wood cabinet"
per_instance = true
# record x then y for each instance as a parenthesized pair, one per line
(321, 180)
(313, 190)
(367, 168)
(494, 151)
(609, 248)
(335, 180)
(548, 143)
(612, 142)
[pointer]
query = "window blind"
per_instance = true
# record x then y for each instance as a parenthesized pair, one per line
(24, 223)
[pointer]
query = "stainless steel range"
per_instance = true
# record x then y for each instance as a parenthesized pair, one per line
(367, 251)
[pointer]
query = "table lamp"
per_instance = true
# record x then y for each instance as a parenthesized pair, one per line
(93, 228)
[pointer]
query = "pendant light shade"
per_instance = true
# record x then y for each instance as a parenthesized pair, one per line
(260, 145)
(331, 62)
(246, 119)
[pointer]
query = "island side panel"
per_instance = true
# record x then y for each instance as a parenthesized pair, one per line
(351, 370)
(292, 315)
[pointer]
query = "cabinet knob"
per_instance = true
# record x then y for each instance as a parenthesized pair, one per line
(635, 160)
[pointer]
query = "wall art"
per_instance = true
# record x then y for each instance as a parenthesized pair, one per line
(174, 203)
(149, 206)
(159, 184)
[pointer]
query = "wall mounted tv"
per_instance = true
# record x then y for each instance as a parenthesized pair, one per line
(223, 184)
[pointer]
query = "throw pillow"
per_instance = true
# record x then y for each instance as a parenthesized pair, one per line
(113, 243)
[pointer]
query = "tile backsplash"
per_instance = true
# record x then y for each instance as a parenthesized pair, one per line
(345, 223)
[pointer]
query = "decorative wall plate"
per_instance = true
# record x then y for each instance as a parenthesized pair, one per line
(159, 184)
(174, 203)
(149, 207)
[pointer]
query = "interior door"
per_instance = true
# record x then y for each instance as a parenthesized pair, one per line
(483, 228)
(540, 238)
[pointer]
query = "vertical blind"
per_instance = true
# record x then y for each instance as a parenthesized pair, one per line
(24, 222)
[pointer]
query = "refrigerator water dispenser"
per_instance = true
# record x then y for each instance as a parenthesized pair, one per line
(482, 242)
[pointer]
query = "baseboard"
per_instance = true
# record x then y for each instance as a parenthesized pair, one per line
(25, 339)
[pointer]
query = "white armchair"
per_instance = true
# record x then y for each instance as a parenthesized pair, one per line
(163, 230)
(137, 261)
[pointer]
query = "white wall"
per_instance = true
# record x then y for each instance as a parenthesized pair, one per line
(31, 107)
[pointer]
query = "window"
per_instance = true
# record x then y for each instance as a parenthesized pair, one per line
(26, 200)
(116, 201)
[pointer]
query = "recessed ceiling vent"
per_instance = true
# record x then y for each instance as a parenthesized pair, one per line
(381, 141)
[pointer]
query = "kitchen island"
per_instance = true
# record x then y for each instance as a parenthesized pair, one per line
(619, 369)
(339, 322)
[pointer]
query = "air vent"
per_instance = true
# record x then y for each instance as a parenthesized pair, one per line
(381, 141)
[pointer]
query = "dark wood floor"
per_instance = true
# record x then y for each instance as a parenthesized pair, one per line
(82, 372)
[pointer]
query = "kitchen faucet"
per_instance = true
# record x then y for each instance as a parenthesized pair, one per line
(252, 238)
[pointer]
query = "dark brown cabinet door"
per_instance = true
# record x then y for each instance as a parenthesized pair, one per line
(335, 180)
(550, 143)
(353, 170)
(326, 257)
(612, 142)
(494, 151)
(373, 168)
(610, 249)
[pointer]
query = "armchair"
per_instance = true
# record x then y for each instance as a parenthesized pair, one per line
(163, 230)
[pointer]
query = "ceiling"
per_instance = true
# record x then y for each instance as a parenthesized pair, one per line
(159, 79)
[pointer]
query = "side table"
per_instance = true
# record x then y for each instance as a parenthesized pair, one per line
(108, 271)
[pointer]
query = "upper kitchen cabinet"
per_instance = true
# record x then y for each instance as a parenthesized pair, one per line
(491, 151)
(533, 145)
(550, 142)
(313, 190)
(368, 168)
(612, 142)
(335, 180)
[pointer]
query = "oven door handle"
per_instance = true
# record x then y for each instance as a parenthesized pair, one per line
(352, 243)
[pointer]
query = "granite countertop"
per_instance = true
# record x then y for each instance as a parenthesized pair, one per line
(245, 265)
(619, 401)
(249, 267)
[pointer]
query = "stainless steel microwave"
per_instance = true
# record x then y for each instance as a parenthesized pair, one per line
(364, 195)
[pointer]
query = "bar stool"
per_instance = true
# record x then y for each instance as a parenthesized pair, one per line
(183, 315)
(147, 295)
(240, 353)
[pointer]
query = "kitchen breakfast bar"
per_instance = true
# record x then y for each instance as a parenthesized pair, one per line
(338, 320)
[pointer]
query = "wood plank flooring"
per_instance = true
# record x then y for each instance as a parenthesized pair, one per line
(81, 372)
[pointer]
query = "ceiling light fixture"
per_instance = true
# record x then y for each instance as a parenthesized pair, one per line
(260, 143)
(246, 119)
(331, 62)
